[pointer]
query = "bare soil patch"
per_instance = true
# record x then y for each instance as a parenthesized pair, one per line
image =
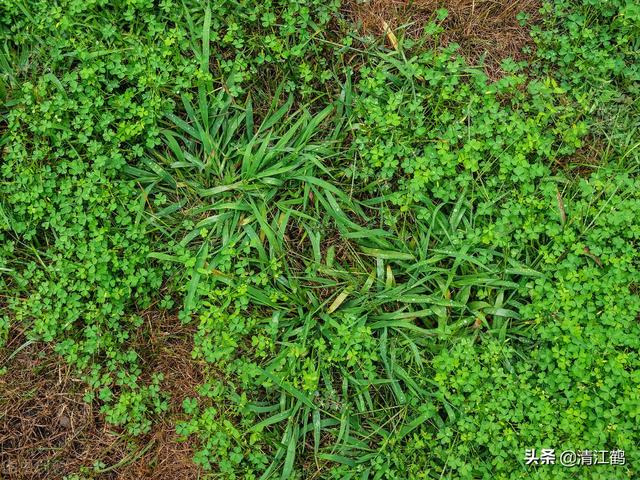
(487, 28)
(47, 431)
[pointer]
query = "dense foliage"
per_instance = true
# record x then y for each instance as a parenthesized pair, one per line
(395, 267)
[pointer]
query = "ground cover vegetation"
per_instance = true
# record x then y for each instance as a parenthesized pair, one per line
(300, 239)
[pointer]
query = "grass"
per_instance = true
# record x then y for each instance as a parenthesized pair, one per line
(319, 241)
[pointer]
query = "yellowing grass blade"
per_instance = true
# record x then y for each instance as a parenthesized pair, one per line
(338, 301)
(390, 35)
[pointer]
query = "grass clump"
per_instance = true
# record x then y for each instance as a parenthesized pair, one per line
(389, 263)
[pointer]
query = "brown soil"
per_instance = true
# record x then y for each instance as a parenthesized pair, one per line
(586, 159)
(480, 27)
(166, 346)
(47, 431)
